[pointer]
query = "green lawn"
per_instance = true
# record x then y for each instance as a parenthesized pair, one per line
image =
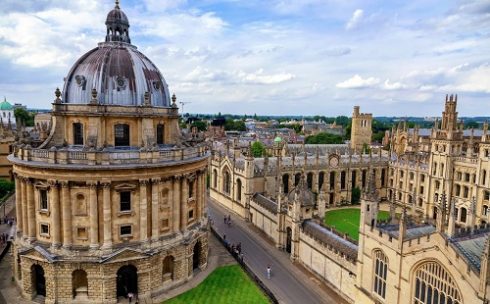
(227, 284)
(347, 220)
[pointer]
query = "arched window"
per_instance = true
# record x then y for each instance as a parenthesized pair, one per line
(121, 135)
(354, 178)
(239, 190)
(458, 190)
(380, 273)
(433, 284)
(297, 177)
(309, 180)
(226, 182)
(485, 210)
(215, 178)
(168, 268)
(463, 214)
(285, 183)
(484, 177)
(332, 180)
(342, 180)
(321, 180)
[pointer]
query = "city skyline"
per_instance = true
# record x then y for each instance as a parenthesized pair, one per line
(293, 57)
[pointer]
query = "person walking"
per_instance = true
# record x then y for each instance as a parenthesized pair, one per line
(269, 272)
(130, 297)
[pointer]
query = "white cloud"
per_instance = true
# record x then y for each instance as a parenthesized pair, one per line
(259, 77)
(355, 19)
(357, 82)
(387, 85)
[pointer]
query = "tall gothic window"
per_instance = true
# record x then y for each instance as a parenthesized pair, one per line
(463, 215)
(332, 180)
(226, 182)
(285, 183)
(297, 177)
(121, 135)
(380, 272)
(215, 179)
(309, 180)
(321, 179)
(342, 180)
(433, 284)
(160, 134)
(43, 199)
(78, 134)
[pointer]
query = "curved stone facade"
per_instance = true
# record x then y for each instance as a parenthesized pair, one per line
(112, 203)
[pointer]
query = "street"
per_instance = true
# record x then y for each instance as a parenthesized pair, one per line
(288, 283)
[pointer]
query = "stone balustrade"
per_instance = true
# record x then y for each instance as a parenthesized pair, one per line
(110, 156)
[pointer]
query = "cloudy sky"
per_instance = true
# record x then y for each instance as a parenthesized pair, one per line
(311, 57)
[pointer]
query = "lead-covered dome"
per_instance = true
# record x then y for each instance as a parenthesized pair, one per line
(118, 72)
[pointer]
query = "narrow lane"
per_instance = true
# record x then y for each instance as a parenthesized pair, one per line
(287, 282)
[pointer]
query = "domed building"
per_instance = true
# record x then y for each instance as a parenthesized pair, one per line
(113, 201)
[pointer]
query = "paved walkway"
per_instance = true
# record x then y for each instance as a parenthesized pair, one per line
(289, 282)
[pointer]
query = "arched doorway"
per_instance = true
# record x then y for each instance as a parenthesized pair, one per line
(168, 268)
(79, 284)
(38, 280)
(289, 237)
(196, 255)
(127, 281)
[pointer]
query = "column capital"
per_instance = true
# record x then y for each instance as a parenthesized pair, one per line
(53, 183)
(64, 184)
(106, 185)
(144, 182)
(156, 180)
(92, 184)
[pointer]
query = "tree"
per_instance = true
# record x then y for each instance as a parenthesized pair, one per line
(258, 149)
(365, 148)
(231, 125)
(356, 195)
(200, 125)
(6, 186)
(324, 138)
(24, 117)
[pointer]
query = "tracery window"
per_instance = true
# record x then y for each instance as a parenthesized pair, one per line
(226, 182)
(239, 190)
(433, 284)
(380, 272)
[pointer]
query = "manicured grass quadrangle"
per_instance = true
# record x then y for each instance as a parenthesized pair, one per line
(347, 220)
(226, 285)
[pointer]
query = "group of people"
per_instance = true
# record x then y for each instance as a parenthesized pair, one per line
(227, 220)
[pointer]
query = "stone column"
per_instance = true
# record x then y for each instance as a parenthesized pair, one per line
(199, 201)
(25, 221)
(94, 218)
(31, 211)
(176, 204)
(66, 202)
(18, 204)
(144, 210)
(55, 208)
(107, 206)
(155, 189)
(185, 197)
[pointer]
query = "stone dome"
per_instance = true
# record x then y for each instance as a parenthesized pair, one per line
(116, 70)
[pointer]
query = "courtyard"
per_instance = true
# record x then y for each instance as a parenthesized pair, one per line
(227, 284)
(347, 220)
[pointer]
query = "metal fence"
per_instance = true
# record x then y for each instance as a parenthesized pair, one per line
(245, 267)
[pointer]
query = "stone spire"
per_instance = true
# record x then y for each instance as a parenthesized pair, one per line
(441, 213)
(370, 192)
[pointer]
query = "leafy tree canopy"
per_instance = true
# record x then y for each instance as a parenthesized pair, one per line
(324, 138)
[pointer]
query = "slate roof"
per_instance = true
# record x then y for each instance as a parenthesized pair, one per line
(328, 238)
(265, 202)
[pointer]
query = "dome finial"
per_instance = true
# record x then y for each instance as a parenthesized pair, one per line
(117, 4)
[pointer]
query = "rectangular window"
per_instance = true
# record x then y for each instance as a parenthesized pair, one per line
(421, 189)
(125, 201)
(342, 180)
(121, 135)
(467, 177)
(125, 230)
(422, 178)
(82, 233)
(78, 134)
(164, 223)
(44, 229)
(43, 199)
(486, 195)
(191, 215)
(160, 134)
(191, 189)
